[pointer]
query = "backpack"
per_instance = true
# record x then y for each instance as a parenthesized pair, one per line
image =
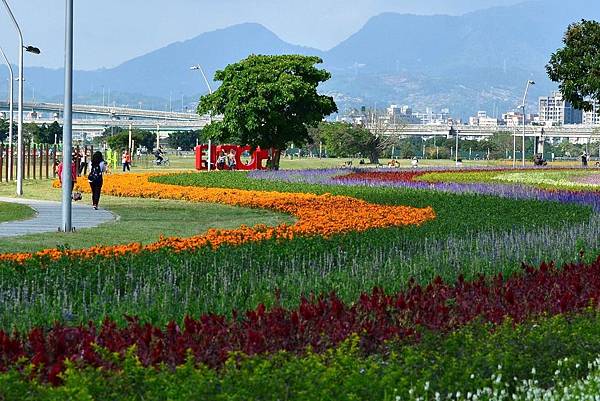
(95, 176)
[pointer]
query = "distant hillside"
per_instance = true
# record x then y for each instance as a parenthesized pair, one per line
(478, 61)
(167, 70)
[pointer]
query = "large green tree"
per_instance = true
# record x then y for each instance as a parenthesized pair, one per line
(576, 66)
(268, 101)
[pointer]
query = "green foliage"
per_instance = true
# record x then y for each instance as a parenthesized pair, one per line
(345, 140)
(4, 128)
(119, 141)
(186, 140)
(268, 101)
(473, 358)
(575, 66)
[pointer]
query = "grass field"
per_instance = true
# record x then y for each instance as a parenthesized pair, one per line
(11, 212)
(140, 220)
(186, 162)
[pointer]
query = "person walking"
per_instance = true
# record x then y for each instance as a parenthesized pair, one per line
(95, 178)
(73, 174)
(125, 160)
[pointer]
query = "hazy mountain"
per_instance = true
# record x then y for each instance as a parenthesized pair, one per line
(477, 61)
(166, 71)
(480, 60)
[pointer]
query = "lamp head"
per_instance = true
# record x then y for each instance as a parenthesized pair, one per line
(32, 49)
(531, 82)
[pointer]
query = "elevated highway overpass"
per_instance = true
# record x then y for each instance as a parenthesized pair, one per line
(578, 131)
(97, 126)
(52, 110)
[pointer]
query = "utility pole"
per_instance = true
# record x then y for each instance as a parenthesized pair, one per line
(68, 121)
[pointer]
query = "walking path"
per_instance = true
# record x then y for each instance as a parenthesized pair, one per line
(49, 218)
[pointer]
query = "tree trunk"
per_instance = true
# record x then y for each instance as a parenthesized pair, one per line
(374, 157)
(275, 158)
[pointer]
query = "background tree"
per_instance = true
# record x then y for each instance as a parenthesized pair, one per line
(120, 140)
(30, 132)
(48, 133)
(186, 140)
(576, 66)
(345, 140)
(268, 101)
(3, 130)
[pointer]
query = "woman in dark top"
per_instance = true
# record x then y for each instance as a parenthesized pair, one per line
(98, 167)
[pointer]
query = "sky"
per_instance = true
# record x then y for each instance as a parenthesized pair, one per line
(110, 32)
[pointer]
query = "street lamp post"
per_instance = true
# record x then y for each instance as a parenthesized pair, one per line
(529, 83)
(10, 108)
(34, 50)
(67, 179)
(199, 67)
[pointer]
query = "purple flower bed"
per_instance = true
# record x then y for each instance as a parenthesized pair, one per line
(514, 191)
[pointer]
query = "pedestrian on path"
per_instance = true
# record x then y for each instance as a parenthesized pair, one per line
(73, 174)
(126, 160)
(95, 178)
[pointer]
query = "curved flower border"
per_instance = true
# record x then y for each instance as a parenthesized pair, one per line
(318, 215)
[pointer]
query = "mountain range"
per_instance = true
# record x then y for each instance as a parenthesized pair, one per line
(476, 61)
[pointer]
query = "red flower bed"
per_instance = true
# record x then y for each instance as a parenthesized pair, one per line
(320, 323)
(385, 176)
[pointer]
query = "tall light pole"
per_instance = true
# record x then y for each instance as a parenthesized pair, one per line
(67, 179)
(199, 67)
(34, 50)
(10, 108)
(529, 83)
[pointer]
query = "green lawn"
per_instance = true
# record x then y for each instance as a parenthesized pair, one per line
(186, 162)
(13, 211)
(140, 220)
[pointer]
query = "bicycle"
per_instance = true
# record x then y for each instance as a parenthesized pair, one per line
(164, 162)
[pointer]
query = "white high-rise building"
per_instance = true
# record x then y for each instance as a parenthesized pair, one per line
(555, 109)
(592, 117)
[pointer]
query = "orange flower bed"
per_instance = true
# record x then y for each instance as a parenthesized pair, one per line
(323, 215)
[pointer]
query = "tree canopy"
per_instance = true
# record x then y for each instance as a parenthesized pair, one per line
(186, 140)
(576, 66)
(118, 138)
(4, 127)
(268, 101)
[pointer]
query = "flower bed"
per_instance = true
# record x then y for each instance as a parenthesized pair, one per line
(322, 215)
(318, 323)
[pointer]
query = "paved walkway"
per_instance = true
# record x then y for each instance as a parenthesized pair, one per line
(49, 217)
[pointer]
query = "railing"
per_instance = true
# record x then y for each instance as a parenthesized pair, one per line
(39, 161)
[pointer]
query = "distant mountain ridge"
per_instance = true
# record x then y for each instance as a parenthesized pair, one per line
(479, 60)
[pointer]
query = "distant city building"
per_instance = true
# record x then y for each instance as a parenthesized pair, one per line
(592, 117)
(401, 114)
(482, 120)
(556, 110)
(432, 118)
(513, 119)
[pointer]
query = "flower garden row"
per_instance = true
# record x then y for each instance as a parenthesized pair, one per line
(542, 357)
(384, 344)
(317, 215)
(317, 324)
